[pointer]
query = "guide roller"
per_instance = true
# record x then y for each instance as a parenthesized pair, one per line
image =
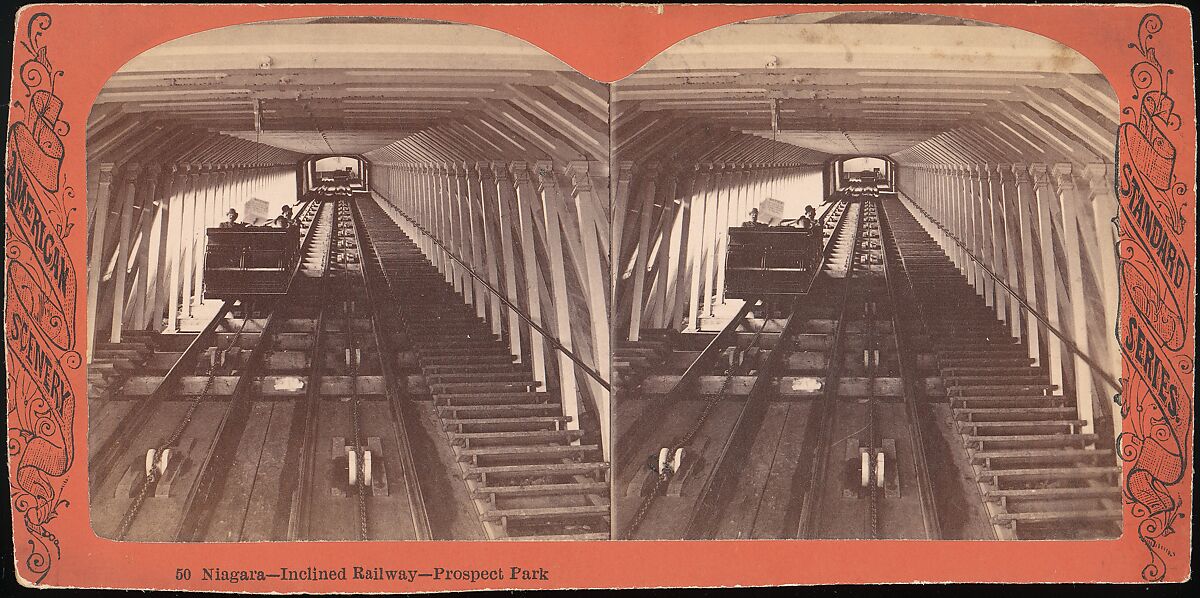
(157, 461)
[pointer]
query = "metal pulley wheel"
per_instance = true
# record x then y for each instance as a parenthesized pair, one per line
(669, 463)
(157, 461)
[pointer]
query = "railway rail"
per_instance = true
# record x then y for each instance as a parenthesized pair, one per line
(868, 478)
(249, 450)
(809, 430)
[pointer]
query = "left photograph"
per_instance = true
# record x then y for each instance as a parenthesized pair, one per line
(348, 279)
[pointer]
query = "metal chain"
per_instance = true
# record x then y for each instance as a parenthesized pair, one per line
(872, 345)
(355, 422)
(153, 475)
(665, 476)
(873, 508)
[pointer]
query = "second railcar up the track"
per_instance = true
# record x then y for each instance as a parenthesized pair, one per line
(771, 260)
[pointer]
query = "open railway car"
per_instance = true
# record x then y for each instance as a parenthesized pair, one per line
(245, 262)
(771, 260)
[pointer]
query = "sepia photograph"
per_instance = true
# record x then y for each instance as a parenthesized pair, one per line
(347, 280)
(865, 278)
(407, 298)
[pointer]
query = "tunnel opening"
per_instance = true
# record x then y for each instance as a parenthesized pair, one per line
(336, 171)
(858, 174)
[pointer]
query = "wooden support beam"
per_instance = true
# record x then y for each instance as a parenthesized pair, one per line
(591, 138)
(679, 189)
(696, 241)
(597, 292)
(648, 178)
(725, 216)
(477, 239)
(552, 210)
(1011, 242)
(1027, 215)
(1085, 385)
(1103, 205)
(489, 233)
(506, 199)
(666, 270)
(99, 225)
(175, 245)
(148, 249)
(1049, 226)
(129, 192)
(528, 204)
(192, 212)
(547, 141)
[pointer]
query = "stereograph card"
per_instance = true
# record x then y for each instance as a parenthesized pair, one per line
(419, 298)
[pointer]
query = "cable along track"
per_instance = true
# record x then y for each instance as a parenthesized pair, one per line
(868, 477)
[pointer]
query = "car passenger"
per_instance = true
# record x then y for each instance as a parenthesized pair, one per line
(811, 213)
(284, 219)
(753, 221)
(811, 241)
(232, 221)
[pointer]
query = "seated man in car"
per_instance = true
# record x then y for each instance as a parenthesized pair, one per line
(812, 239)
(753, 221)
(284, 219)
(811, 213)
(232, 221)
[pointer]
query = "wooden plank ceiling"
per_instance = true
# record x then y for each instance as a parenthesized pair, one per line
(919, 88)
(355, 86)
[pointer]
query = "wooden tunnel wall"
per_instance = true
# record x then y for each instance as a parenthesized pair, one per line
(152, 190)
(676, 221)
(535, 232)
(1048, 232)
(679, 182)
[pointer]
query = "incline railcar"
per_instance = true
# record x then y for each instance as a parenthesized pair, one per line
(771, 260)
(248, 262)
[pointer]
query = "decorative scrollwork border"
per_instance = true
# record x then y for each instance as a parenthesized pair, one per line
(1156, 307)
(40, 290)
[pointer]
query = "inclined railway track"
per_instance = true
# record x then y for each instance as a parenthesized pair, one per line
(254, 455)
(868, 477)
(821, 439)
(716, 433)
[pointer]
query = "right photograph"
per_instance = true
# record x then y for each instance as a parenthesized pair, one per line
(866, 280)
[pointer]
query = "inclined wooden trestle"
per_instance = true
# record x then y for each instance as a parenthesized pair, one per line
(536, 232)
(531, 474)
(1037, 464)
